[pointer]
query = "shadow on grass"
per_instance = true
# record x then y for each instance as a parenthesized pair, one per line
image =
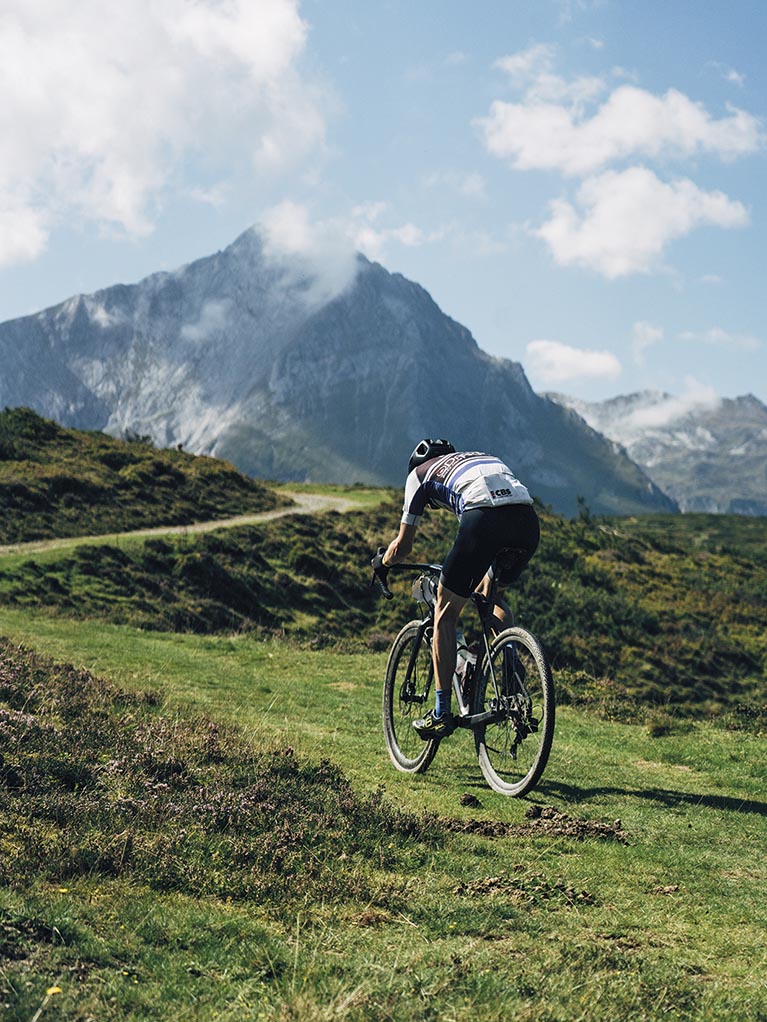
(672, 799)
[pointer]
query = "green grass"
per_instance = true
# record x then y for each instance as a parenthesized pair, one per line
(223, 836)
(443, 924)
(631, 621)
(57, 482)
(362, 495)
(740, 535)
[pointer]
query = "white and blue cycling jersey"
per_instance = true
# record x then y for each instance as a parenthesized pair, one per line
(459, 482)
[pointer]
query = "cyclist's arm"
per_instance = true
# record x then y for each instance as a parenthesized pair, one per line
(400, 547)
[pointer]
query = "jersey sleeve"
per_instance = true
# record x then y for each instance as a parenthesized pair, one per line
(415, 499)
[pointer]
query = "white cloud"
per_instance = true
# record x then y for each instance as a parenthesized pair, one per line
(631, 123)
(551, 362)
(373, 241)
(546, 135)
(288, 230)
(669, 408)
(644, 336)
(626, 219)
(23, 231)
(103, 100)
(722, 338)
(533, 71)
(529, 64)
(212, 321)
(318, 254)
(372, 237)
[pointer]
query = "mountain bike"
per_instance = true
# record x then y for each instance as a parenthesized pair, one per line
(503, 690)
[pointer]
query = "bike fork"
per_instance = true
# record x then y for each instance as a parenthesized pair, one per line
(407, 684)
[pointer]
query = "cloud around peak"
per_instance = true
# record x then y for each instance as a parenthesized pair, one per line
(552, 363)
(669, 409)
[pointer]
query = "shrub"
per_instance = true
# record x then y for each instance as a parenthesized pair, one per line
(94, 781)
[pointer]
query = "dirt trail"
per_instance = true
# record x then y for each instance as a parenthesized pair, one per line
(304, 503)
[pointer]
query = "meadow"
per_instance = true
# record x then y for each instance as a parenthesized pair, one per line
(636, 617)
(199, 820)
(215, 831)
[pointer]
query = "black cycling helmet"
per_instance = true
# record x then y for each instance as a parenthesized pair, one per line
(428, 449)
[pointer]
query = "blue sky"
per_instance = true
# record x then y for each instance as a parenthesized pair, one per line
(581, 183)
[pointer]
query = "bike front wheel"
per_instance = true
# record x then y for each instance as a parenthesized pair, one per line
(407, 686)
(516, 687)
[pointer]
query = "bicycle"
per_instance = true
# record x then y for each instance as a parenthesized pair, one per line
(504, 693)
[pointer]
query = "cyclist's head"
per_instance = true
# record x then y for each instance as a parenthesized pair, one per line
(428, 449)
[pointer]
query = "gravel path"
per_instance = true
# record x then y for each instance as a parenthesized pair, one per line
(304, 503)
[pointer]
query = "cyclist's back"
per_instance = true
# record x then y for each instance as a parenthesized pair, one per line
(461, 481)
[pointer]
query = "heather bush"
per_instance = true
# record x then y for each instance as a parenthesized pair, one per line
(94, 781)
(64, 482)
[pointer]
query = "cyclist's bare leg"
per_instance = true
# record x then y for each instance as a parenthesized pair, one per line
(447, 611)
(501, 612)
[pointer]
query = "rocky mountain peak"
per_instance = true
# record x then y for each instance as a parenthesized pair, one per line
(292, 371)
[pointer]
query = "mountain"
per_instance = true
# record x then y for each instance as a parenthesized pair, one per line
(253, 360)
(707, 456)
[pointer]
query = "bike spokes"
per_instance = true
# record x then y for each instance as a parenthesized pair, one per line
(408, 685)
(516, 688)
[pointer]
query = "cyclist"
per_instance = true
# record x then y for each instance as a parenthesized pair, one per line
(495, 513)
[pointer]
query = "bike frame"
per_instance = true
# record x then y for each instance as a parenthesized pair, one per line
(484, 605)
(509, 685)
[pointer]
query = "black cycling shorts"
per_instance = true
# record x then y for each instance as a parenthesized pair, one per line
(483, 533)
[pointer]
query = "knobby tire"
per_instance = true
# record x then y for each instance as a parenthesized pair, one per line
(405, 700)
(513, 749)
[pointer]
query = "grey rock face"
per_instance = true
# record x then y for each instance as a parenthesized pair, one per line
(707, 456)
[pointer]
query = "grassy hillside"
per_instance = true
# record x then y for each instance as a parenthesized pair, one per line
(198, 819)
(65, 482)
(156, 864)
(737, 535)
(632, 616)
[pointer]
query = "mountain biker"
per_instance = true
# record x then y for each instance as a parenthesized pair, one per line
(495, 513)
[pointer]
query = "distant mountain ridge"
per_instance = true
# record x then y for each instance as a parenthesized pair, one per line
(708, 456)
(242, 357)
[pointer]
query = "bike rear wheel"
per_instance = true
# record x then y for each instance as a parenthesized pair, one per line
(514, 746)
(407, 686)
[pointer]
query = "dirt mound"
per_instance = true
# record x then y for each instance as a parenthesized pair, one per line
(544, 820)
(528, 888)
